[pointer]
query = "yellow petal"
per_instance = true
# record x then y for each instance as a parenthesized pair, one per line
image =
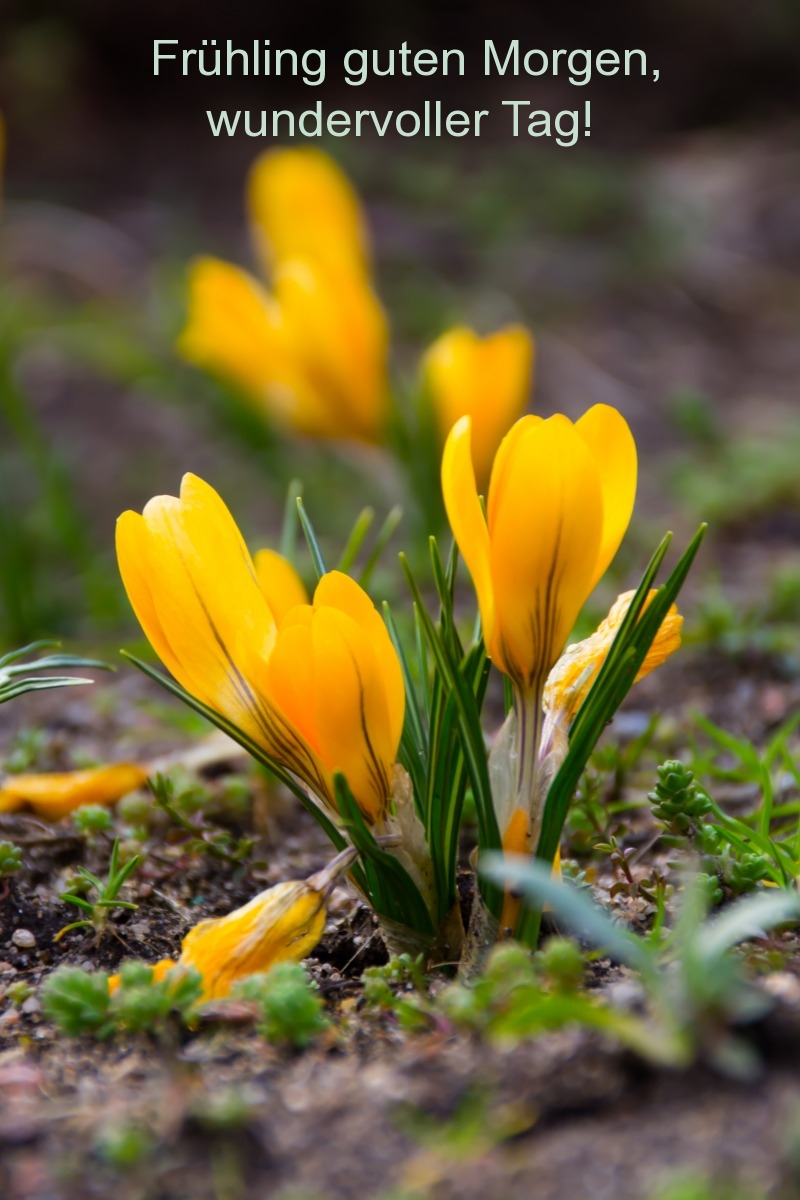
(337, 590)
(351, 710)
(607, 434)
(193, 587)
(282, 586)
(55, 795)
(571, 678)
(466, 518)
(335, 334)
(544, 544)
(302, 205)
(232, 328)
(487, 379)
(284, 922)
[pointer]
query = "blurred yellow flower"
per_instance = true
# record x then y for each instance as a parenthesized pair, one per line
(488, 379)
(313, 350)
(55, 795)
(317, 686)
(560, 499)
(302, 205)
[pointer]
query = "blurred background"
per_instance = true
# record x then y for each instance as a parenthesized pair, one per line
(656, 262)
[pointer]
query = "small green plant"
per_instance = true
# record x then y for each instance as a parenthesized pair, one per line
(80, 1002)
(18, 992)
(184, 808)
(696, 986)
(401, 972)
(107, 896)
(678, 800)
(289, 1006)
(92, 819)
(123, 1145)
(10, 859)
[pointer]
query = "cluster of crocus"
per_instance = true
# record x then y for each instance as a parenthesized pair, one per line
(311, 349)
(316, 685)
(559, 503)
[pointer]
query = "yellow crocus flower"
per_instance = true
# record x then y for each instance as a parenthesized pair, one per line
(302, 205)
(560, 499)
(318, 686)
(488, 379)
(311, 350)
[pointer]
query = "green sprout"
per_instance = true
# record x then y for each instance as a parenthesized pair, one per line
(80, 1002)
(290, 1009)
(107, 893)
(91, 819)
(10, 859)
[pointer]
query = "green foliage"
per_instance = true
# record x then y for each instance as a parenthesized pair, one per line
(401, 972)
(79, 1002)
(107, 892)
(677, 799)
(10, 859)
(696, 985)
(123, 1146)
(76, 1001)
(16, 677)
(92, 819)
(25, 751)
(18, 992)
(290, 1009)
(184, 808)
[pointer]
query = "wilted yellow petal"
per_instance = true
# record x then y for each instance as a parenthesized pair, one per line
(302, 205)
(284, 922)
(487, 379)
(569, 682)
(55, 795)
(282, 587)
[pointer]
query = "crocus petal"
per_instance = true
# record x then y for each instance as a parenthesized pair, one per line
(335, 332)
(302, 205)
(544, 545)
(337, 590)
(193, 587)
(284, 922)
(571, 678)
(466, 518)
(347, 667)
(487, 379)
(607, 434)
(55, 795)
(232, 329)
(282, 587)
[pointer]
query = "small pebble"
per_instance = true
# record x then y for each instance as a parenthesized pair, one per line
(23, 938)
